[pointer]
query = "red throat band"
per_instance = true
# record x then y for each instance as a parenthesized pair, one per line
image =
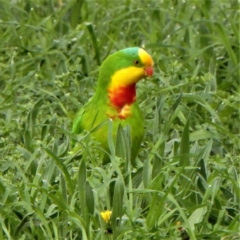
(122, 95)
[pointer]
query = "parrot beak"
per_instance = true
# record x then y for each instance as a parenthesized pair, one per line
(148, 71)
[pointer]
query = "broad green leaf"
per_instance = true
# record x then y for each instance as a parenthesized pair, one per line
(117, 201)
(197, 217)
(185, 146)
(82, 179)
(89, 199)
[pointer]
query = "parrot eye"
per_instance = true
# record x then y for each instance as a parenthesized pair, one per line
(136, 62)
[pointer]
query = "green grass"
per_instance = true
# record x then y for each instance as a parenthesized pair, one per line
(186, 184)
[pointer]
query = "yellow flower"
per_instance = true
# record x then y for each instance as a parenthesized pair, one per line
(106, 215)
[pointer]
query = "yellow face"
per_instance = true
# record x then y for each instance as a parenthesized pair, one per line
(134, 73)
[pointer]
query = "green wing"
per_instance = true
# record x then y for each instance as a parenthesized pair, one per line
(93, 114)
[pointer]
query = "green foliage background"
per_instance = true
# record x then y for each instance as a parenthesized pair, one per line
(186, 184)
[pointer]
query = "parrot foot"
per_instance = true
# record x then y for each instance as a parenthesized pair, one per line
(125, 112)
(121, 113)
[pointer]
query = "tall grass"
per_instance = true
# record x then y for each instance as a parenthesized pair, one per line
(186, 183)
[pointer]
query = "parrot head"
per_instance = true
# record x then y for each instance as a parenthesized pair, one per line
(119, 74)
(126, 67)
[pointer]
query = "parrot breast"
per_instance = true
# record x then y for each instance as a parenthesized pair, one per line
(121, 98)
(122, 95)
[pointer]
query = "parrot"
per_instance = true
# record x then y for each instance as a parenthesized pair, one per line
(115, 98)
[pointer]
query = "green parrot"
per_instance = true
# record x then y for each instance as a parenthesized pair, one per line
(115, 98)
